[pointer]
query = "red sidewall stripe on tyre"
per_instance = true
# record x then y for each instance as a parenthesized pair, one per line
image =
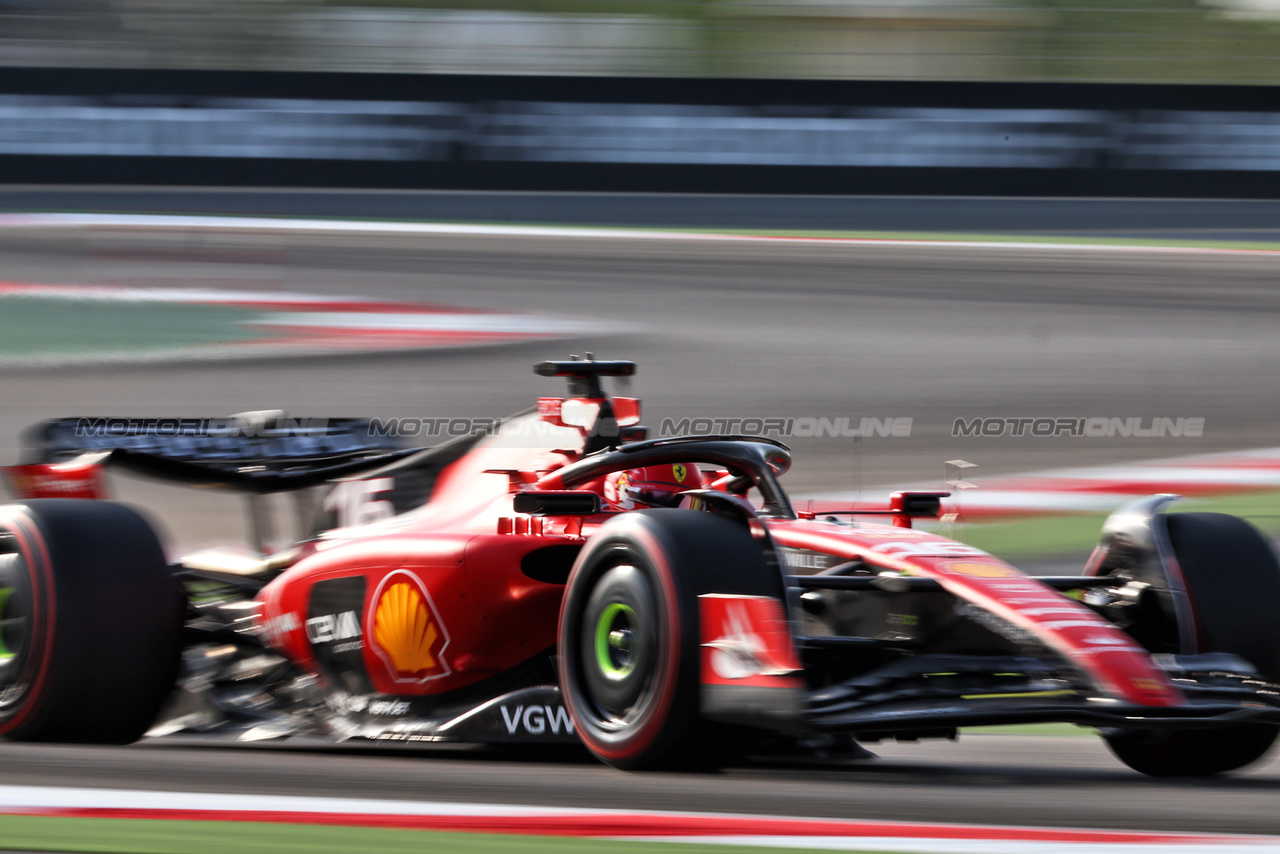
(35, 552)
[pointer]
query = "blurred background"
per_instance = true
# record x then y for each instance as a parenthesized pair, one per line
(925, 212)
(1188, 41)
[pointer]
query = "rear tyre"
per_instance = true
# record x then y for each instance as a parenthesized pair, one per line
(629, 634)
(1233, 580)
(90, 622)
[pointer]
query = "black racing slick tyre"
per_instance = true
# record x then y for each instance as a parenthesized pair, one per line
(90, 622)
(629, 635)
(1233, 580)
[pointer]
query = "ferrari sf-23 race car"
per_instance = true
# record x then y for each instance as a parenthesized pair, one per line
(565, 579)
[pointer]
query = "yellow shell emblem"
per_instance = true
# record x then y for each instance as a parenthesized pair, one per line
(980, 570)
(403, 628)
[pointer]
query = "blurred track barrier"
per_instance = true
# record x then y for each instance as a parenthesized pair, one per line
(562, 133)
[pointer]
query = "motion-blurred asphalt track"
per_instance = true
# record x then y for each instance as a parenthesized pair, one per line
(724, 330)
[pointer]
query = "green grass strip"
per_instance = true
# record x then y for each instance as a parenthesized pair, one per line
(1054, 535)
(162, 836)
(35, 326)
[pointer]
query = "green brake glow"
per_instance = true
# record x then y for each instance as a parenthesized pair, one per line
(1066, 692)
(604, 658)
(5, 652)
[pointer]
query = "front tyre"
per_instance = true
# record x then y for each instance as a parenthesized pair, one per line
(1233, 580)
(90, 622)
(1191, 753)
(629, 634)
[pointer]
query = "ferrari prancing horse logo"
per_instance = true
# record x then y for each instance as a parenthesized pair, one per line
(679, 471)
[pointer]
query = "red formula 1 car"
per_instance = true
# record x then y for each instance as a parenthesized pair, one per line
(562, 578)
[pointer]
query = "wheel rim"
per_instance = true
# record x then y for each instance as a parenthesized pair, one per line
(618, 648)
(15, 627)
(616, 641)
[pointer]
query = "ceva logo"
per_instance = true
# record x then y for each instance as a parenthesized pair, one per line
(333, 627)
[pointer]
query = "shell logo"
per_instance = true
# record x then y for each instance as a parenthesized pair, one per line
(980, 570)
(407, 633)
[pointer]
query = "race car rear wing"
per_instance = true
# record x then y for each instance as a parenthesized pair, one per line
(253, 452)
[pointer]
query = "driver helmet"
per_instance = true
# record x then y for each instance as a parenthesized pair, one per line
(651, 486)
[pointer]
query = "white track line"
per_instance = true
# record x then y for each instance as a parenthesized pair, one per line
(56, 797)
(443, 322)
(214, 296)
(427, 228)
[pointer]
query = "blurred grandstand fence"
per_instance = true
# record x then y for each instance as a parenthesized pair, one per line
(636, 134)
(1218, 41)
